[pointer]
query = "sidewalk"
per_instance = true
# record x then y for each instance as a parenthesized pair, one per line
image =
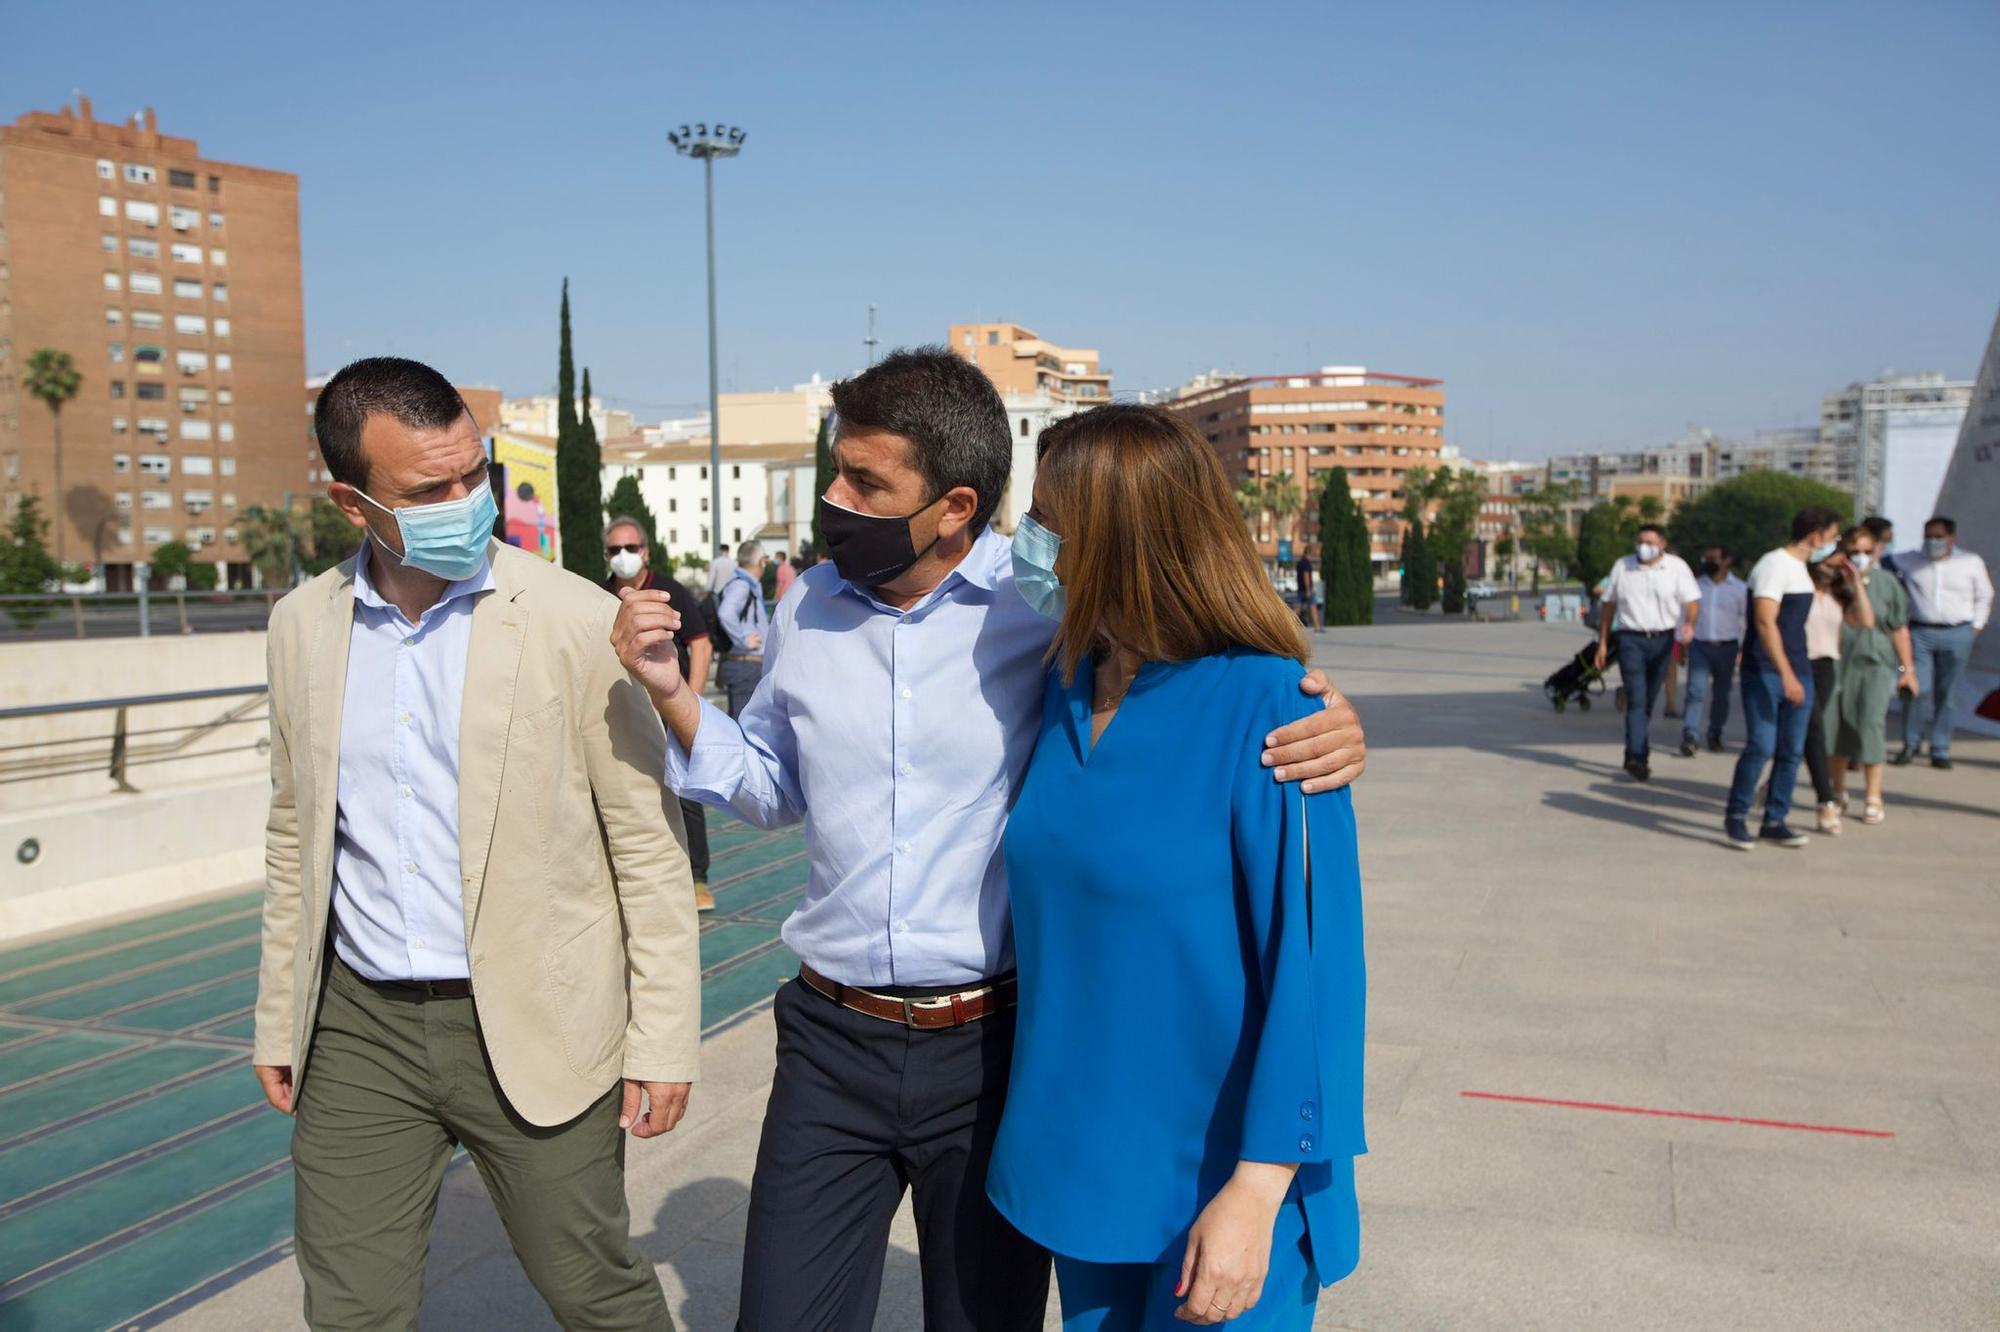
(1539, 927)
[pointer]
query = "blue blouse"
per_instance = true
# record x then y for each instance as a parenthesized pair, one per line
(1188, 933)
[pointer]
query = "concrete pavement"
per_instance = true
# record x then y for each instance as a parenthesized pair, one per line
(1543, 930)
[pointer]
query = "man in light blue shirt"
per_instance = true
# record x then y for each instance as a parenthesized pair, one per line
(740, 608)
(900, 697)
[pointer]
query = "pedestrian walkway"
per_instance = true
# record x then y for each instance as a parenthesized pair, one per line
(139, 1164)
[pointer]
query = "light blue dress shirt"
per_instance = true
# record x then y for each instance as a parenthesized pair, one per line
(398, 909)
(740, 607)
(901, 738)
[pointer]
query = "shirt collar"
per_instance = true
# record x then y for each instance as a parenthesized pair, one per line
(980, 568)
(366, 594)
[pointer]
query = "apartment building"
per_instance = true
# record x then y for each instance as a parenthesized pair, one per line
(1378, 426)
(172, 281)
(1021, 363)
(1896, 433)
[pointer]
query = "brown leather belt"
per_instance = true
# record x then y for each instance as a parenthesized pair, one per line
(945, 1010)
(424, 989)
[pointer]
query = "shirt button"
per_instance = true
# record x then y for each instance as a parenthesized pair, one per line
(906, 769)
(408, 792)
(902, 848)
(1305, 1110)
(1306, 1143)
(410, 868)
(405, 719)
(902, 927)
(909, 693)
(416, 943)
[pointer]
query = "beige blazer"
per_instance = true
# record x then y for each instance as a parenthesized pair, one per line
(579, 906)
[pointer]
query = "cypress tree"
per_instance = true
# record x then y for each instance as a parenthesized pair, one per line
(1345, 574)
(627, 502)
(823, 473)
(1420, 570)
(579, 482)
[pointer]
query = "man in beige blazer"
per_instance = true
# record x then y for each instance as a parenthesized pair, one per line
(479, 921)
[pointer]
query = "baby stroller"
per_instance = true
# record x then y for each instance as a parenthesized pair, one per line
(1578, 679)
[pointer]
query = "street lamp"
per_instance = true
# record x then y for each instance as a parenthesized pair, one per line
(706, 143)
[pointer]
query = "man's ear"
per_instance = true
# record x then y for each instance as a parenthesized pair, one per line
(349, 502)
(956, 511)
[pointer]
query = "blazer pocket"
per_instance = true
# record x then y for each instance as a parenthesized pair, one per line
(587, 978)
(540, 719)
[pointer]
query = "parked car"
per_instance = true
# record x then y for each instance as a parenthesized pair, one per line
(1481, 590)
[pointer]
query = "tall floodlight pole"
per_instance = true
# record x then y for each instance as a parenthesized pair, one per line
(871, 339)
(706, 143)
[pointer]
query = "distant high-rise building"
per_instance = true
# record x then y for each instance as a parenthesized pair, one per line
(1896, 434)
(1377, 426)
(173, 283)
(1020, 363)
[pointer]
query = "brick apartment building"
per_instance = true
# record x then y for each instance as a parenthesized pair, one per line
(1377, 426)
(173, 283)
(1022, 365)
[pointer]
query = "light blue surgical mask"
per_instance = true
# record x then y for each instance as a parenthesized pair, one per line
(447, 539)
(1937, 547)
(1818, 553)
(1035, 549)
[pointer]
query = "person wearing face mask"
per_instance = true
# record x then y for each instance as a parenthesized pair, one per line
(1951, 598)
(1653, 598)
(740, 608)
(900, 703)
(1777, 681)
(1713, 653)
(479, 928)
(1185, 1149)
(1875, 666)
(629, 555)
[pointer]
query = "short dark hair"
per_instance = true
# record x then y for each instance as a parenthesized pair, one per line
(1654, 528)
(1877, 525)
(1939, 520)
(410, 391)
(1813, 518)
(949, 411)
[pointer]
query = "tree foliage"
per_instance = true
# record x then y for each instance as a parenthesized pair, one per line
(1420, 570)
(26, 564)
(823, 474)
(1607, 532)
(1545, 534)
(627, 502)
(52, 377)
(1751, 513)
(579, 471)
(173, 559)
(1346, 574)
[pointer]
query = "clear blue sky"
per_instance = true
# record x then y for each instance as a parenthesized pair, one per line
(1597, 223)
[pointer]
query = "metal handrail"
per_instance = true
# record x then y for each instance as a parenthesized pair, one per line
(123, 758)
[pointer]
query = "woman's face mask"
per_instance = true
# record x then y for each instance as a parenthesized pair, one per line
(1860, 559)
(1035, 550)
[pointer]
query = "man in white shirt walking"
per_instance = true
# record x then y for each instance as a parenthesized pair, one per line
(1712, 656)
(1654, 598)
(1951, 598)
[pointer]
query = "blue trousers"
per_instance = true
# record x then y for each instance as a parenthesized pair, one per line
(1642, 667)
(1711, 668)
(1776, 734)
(1940, 656)
(1139, 1297)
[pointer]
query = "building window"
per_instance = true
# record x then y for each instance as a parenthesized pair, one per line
(992, 339)
(704, 472)
(144, 213)
(225, 396)
(1024, 427)
(105, 170)
(180, 180)
(673, 536)
(117, 388)
(738, 538)
(112, 282)
(735, 501)
(154, 428)
(113, 317)
(735, 473)
(222, 328)
(226, 431)
(187, 254)
(156, 536)
(191, 362)
(116, 351)
(139, 175)
(183, 219)
(155, 499)
(122, 462)
(222, 291)
(146, 284)
(191, 324)
(197, 466)
(228, 499)
(195, 430)
(222, 362)
(152, 392)
(670, 473)
(117, 425)
(215, 184)
(215, 221)
(141, 248)
(673, 505)
(147, 319)
(218, 257)
(187, 289)
(107, 206)
(198, 501)
(155, 464)
(229, 467)
(108, 242)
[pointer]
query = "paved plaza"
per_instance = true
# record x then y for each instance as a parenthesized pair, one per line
(1619, 1076)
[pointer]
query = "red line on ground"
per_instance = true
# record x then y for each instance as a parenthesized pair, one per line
(1680, 1114)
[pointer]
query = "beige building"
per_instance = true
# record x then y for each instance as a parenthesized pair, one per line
(172, 280)
(536, 415)
(1021, 364)
(1378, 426)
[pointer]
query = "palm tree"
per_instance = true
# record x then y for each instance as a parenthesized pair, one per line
(1251, 501)
(1284, 499)
(53, 377)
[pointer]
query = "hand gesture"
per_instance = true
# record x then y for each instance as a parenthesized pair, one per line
(666, 1102)
(1325, 751)
(643, 636)
(1906, 683)
(1601, 659)
(1795, 693)
(1228, 1254)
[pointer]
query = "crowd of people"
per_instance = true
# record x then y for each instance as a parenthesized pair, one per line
(1082, 1048)
(1831, 629)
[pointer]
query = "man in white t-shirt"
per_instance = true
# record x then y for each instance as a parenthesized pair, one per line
(1777, 680)
(1655, 600)
(1712, 656)
(1951, 599)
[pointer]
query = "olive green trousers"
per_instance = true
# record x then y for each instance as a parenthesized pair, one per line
(393, 1087)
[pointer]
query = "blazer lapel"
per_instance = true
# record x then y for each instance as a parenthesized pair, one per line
(325, 697)
(492, 664)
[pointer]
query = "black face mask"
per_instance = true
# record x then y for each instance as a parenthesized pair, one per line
(869, 550)
(1709, 567)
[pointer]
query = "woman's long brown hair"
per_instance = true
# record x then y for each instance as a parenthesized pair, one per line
(1155, 558)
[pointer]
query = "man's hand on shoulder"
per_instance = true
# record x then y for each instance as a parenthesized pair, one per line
(1326, 751)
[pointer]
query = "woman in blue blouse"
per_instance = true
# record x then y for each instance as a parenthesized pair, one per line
(1185, 1105)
